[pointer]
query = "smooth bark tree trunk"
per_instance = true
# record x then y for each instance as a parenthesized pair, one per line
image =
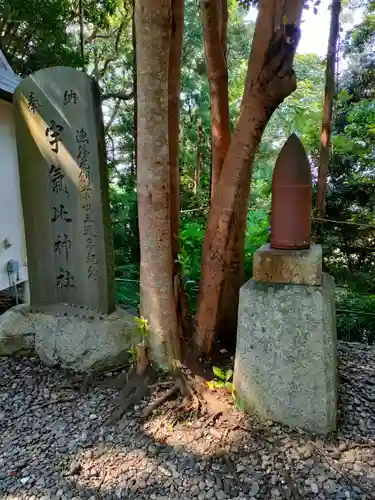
(270, 79)
(135, 106)
(198, 161)
(174, 90)
(215, 21)
(329, 93)
(153, 30)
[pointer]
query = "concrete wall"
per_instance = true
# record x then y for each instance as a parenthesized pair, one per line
(11, 217)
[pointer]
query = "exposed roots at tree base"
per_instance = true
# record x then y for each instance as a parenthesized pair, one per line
(190, 391)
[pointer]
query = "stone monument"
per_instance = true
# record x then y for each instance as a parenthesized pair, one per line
(285, 365)
(64, 189)
(72, 320)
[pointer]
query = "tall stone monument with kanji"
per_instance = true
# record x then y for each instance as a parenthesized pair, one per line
(285, 365)
(72, 320)
(64, 188)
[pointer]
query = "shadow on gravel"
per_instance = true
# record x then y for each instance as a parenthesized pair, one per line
(62, 451)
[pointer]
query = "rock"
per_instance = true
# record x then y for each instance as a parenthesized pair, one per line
(17, 336)
(82, 344)
(220, 495)
(314, 488)
(164, 471)
(254, 490)
(210, 493)
(75, 468)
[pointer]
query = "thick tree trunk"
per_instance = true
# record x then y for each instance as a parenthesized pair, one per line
(174, 88)
(329, 93)
(81, 34)
(198, 161)
(270, 79)
(153, 23)
(215, 20)
(135, 105)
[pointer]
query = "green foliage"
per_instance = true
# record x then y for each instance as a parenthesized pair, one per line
(43, 24)
(123, 205)
(127, 291)
(355, 316)
(257, 234)
(52, 37)
(143, 326)
(192, 235)
(50, 28)
(349, 246)
(222, 379)
(132, 355)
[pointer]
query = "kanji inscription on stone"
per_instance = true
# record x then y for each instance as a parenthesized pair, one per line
(64, 189)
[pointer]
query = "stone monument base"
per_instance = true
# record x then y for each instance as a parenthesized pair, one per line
(300, 267)
(285, 365)
(77, 338)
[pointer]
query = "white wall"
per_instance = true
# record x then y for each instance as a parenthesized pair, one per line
(11, 218)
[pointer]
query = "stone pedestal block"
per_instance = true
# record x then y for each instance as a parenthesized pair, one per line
(301, 267)
(285, 365)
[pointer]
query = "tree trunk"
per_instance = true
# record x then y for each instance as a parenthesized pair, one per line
(215, 20)
(174, 90)
(198, 161)
(153, 27)
(135, 105)
(270, 79)
(81, 34)
(329, 93)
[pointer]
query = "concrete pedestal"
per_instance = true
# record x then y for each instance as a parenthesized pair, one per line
(300, 267)
(285, 366)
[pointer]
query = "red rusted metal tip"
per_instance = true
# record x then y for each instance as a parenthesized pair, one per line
(291, 197)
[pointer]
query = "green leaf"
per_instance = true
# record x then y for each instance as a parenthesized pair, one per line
(211, 385)
(164, 368)
(219, 384)
(229, 386)
(142, 325)
(228, 375)
(218, 372)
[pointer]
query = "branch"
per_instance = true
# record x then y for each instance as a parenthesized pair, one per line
(122, 96)
(96, 36)
(113, 115)
(117, 43)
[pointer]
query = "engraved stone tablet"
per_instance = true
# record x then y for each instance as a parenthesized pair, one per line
(64, 187)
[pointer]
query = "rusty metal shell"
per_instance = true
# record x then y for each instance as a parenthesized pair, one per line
(291, 197)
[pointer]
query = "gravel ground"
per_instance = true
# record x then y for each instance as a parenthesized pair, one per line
(53, 445)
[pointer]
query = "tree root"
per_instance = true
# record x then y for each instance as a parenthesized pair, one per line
(189, 389)
(147, 411)
(134, 391)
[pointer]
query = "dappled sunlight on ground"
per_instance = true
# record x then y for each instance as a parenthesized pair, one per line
(62, 450)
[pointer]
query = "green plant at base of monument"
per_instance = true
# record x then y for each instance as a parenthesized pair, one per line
(143, 327)
(132, 355)
(222, 379)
